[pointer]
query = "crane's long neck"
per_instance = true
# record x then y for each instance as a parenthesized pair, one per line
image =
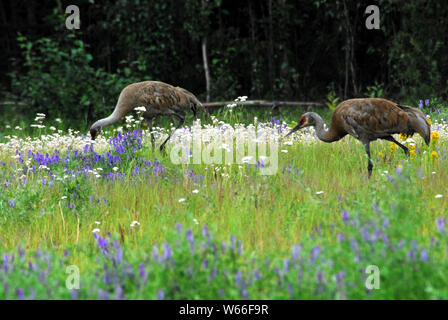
(113, 118)
(326, 135)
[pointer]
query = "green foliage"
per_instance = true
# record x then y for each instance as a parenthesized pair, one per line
(60, 81)
(332, 100)
(375, 91)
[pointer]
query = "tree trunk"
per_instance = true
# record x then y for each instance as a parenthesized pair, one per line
(253, 52)
(350, 49)
(205, 62)
(206, 69)
(271, 47)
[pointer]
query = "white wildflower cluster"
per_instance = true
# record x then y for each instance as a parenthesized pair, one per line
(441, 128)
(222, 134)
(40, 117)
(50, 142)
(237, 101)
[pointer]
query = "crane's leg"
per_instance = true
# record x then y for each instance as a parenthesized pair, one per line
(370, 164)
(392, 139)
(181, 122)
(149, 122)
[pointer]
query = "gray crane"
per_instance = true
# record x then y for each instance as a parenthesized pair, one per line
(367, 120)
(158, 98)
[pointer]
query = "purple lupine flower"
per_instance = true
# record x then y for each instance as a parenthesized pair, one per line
(340, 277)
(244, 294)
(12, 203)
(166, 251)
(178, 228)
(295, 252)
(411, 254)
(155, 253)
(315, 251)
(424, 255)
(420, 104)
(375, 207)
(319, 276)
(214, 273)
(74, 294)
(426, 102)
(205, 263)
(232, 242)
(6, 260)
(238, 277)
(286, 265)
(257, 274)
(101, 242)
(205, 230)
(189, 237)
(21, 252)
(223, 247)
(385, 222)
(160, 294)
(354, 244)
(119, 295)
(239, 247)
(375, 236)
(20, 294)
(341, 237)
(103, 295)
(119, 255)
(365, 234)
(441, 222)
(345, 216)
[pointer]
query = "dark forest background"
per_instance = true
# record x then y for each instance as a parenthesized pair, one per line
(313, 50)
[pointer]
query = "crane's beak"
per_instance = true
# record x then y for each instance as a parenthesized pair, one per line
(297, 127)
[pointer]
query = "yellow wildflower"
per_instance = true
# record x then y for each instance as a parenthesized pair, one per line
(434, 155)
(381, 155)
(429, 121)
(435, 136)
(393, 146)
(403, 136)
(412, 147)
(412, 153)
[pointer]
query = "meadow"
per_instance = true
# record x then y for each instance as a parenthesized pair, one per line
(138, 226)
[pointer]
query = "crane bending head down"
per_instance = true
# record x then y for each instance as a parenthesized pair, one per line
(159, 99)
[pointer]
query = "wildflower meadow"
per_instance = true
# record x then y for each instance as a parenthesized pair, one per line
(114, 219)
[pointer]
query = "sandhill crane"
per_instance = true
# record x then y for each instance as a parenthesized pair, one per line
(158, 98)
(367, 120)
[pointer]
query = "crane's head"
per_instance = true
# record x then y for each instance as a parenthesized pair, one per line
(193, 102)
(95, 131)
(306, 120)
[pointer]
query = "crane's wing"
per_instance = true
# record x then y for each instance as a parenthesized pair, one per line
(158, 94)
(370, 119)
